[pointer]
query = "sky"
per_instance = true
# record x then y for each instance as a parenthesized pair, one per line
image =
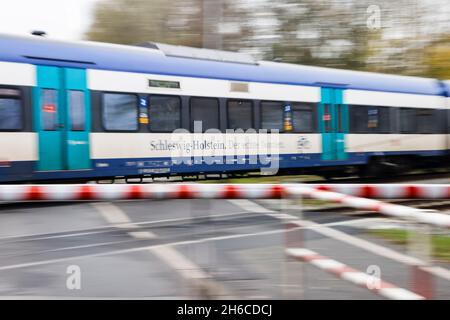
(61, 19)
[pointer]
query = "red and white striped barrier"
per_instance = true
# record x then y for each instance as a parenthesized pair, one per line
(372, 283)
(252, 191)
(389, 191)
(389, 209)
(212, 191)
(140, 191)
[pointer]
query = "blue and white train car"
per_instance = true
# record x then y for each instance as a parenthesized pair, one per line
(86, 111)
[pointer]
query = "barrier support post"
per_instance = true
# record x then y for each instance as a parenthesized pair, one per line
(420, 246)
(202, 253)
(292, 271)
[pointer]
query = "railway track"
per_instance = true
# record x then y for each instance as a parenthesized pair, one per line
(395, 179)
(442, 205)
(409, 177)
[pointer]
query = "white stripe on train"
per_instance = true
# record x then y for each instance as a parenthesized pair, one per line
(119, 81)
(17, 74)
(391, 99)
(22, 74)
(22, 146)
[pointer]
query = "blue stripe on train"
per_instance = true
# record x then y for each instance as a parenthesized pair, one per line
(24, 170)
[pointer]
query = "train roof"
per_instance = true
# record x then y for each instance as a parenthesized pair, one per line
(447, 87)
(152, 59)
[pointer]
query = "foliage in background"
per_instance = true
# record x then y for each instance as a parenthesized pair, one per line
(413, 39)
(437, 58)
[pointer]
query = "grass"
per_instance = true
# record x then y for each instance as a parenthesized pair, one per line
(440, 243)
(315, 202)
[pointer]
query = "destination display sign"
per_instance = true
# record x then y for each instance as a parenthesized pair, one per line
(163, 84)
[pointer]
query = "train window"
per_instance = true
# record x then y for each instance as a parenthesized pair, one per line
(327, 117)
(206, 111)
(384, 120)
(303, 118)
(358, 119)
(441, 121)
(10, 110)
(426, 121)
(378, 119)
(369, 119)
(120, 112)
(49, 105)
(76, 108)
(240, 114)
(272, 114)
(408, 120)
(372, 122)
(164, 113)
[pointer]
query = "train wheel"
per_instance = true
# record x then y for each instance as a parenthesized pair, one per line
(328, 176)
(373, 169)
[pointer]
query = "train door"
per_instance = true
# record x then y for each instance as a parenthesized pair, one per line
(62, 118)
(333, 124)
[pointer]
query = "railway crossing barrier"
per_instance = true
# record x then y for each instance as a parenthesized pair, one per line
(198, 190)
(362, 197)
(389, 191)
(421, 281)
(243, 191)
(359, 278)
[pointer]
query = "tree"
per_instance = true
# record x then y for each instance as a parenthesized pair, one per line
(130, 21)
(330, 33)
(196, 23)
(437, 58)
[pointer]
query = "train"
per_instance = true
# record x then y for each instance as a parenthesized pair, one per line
(91, 111)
